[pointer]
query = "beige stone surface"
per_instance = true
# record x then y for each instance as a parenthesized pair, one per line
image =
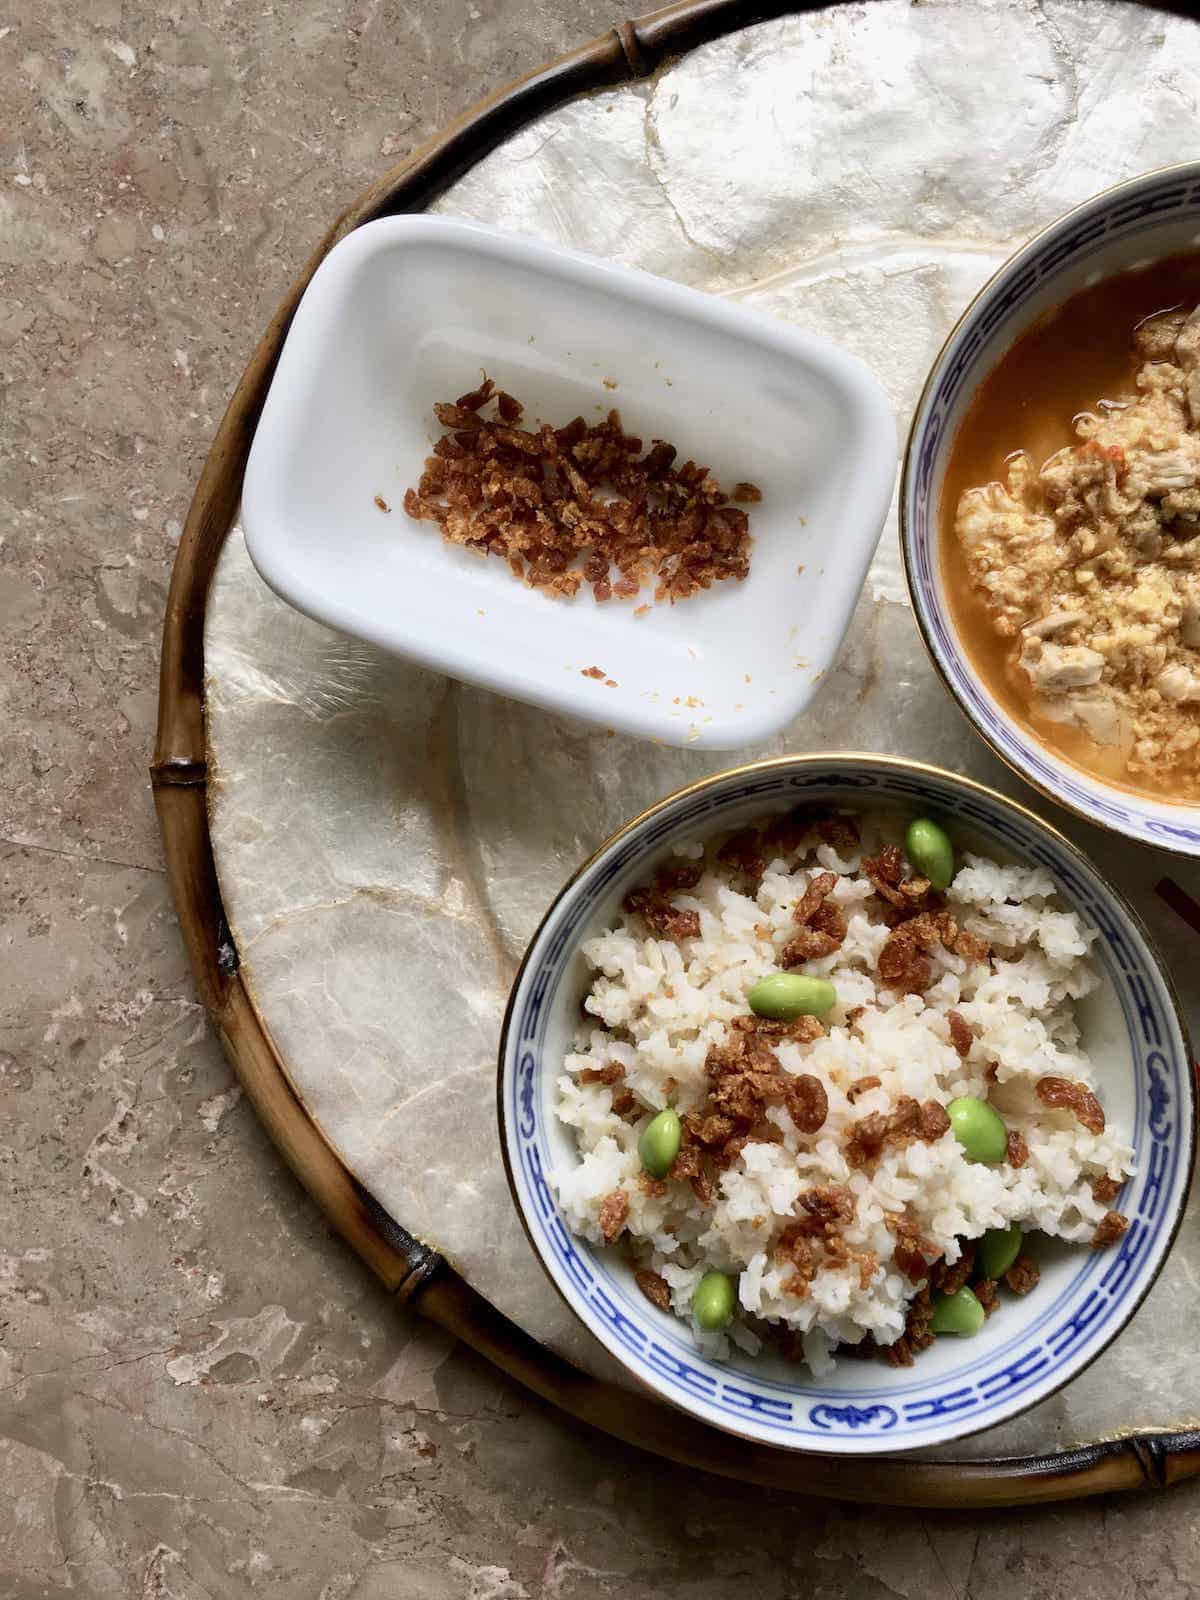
(201, 1394)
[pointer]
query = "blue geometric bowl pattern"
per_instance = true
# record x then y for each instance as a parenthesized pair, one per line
(1051, 1335)
(1115, 225)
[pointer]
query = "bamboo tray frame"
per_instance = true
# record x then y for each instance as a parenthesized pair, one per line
(418, 1277)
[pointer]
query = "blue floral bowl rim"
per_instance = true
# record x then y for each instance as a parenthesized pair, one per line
(903, 767)
(1181, 171)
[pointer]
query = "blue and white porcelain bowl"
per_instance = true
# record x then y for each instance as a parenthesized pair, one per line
(1132, 1029)
(1147, 219)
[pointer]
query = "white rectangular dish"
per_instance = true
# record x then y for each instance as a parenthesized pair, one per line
(405, 312)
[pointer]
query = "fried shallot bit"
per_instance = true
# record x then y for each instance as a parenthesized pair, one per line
(801, 1030)
(712, 1130)
(918, 894)
(702, 1186)
(961, 1036)
(918, 1334)
(1063, 1094)
(910, 1262)
(743, 853)
(914, 1254)
(884, 872)
(985, 1292)
(1023, 1275)
(861, 1085)
(904, 963)
(565, 506)
(1018, 1150)
(1105, 1189)
(795, 1247)
(827, 1204)
(787, 832)
(657, 1290)
(664, 918)
(477, 398)
(839, 1254)
(806, 1101)
(971, 947)
(687, 1164)
(905, 1118)
(866, 1139)
(613, 1214)
(731, 1150)
(934, 1121)
(460, 417)
(743, 1075)
(838, 832)
(612, 1072)
(810, 944)
(813, 897)
(949, 1280)
(1108, 1230)
(623, 1102)
(910, 1119)
(674, 876)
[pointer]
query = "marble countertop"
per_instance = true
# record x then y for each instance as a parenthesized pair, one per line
(201, 1393)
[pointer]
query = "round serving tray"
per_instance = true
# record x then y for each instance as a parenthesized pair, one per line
(186, 784)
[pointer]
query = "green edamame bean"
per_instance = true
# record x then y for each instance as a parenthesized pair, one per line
(659, 1143)
(784, 996)
(957, 1313)
(713, 1301)
(929, 849)
(998, 1249)
(978, 1128)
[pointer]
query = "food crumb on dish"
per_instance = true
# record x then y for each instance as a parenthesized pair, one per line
(821, 1157)
(611, 683)
(611, 383)
(382, 503)
(578, 504)
(593, 672)
(642, 610)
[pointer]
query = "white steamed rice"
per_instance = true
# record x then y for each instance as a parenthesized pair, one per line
(660, 1005)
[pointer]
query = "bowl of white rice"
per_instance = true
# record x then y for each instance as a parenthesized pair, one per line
(840, 1133)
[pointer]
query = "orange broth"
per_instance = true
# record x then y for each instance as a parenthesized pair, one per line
(1071, 360)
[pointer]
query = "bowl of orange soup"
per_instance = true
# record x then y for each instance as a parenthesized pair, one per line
(1050, 510)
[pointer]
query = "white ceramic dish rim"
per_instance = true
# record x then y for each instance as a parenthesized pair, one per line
(863, 509)
(1174, 827)
(866, 1429)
